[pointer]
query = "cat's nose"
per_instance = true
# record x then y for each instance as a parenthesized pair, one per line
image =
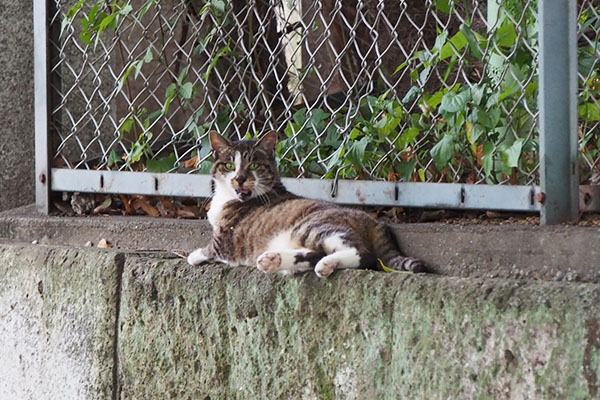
(240, 179)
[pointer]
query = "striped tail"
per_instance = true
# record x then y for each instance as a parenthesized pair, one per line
(390, 255)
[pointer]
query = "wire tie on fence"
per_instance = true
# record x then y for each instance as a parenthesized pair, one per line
(334, 184)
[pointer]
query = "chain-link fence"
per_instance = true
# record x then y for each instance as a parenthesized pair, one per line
(588, 53)
(412, 90)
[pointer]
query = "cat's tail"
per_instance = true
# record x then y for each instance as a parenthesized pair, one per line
(389, 255)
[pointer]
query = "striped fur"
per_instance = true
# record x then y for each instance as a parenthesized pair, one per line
(256, 221)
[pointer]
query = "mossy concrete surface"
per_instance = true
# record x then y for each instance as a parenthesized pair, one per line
(215, 332)
(100, 324)
(58, 311)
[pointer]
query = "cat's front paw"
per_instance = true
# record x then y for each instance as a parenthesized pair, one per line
(269, 261)
(196, 257)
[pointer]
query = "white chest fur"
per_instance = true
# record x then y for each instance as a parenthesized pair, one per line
(223, 194)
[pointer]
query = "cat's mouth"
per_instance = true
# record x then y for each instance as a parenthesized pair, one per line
(243, 193)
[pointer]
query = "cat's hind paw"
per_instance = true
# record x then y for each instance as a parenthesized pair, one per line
(269, 261)
(325, 267)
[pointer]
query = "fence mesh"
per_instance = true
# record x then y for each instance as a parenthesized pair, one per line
(412, 90)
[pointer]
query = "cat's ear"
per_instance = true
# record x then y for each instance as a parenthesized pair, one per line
(268, 141)
(218, 142)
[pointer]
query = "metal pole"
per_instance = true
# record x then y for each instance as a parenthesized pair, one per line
(558, 111)
(41, 73)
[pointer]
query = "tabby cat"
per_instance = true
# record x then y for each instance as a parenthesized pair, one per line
(256, 221)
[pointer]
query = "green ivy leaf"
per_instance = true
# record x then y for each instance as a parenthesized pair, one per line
(477, 92)
(412, 94)
(407, 137)
(510, 154)
(187, 90)
(443, 6)
(442, 152)
(219, 6)
(487, 159)
(452, 102)
(335, 158)
(474, 47)
(455, 45)
(113, 159)
(299, 116)
(490, 118)
(356, 154)
(164, 164)
(589, 112)
(474, 132)
(318, 117)
(406, 169)
(149, 56)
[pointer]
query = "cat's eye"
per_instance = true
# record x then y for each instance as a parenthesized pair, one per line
(230, 166)
(254, 166)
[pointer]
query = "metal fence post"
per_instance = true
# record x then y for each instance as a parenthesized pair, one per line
(41, 73)
(558, 111)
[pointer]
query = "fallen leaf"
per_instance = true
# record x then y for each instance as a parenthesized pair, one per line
(64, 208)
(104, 244)
(105, 204)
(143, 204)
(494, 214)
(185, 213)
(127, 203)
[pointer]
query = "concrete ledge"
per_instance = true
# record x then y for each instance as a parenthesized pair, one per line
(559, 253)
(218, 332)
(58, 312)
(94, 324)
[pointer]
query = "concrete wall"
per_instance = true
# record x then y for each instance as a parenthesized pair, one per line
(16, 103)
(94, 324)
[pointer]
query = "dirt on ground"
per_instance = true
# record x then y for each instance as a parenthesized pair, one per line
(82, 204)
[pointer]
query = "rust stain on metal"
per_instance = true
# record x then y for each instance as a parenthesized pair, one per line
(541, 198)
(360, 197)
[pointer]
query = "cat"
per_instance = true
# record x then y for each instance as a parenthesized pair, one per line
(256, 221)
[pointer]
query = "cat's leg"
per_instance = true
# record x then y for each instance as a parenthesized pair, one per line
(199, 256)
(341, 254)
(288, 261)
(341, 259)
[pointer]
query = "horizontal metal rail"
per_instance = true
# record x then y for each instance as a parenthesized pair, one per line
(423, 195)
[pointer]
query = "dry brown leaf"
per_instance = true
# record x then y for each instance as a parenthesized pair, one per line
(191, 163)
(188, 212)
(104, 244)
(479, 154)
(494, 214)
(127, 204)
(143, 204)
(64, 208)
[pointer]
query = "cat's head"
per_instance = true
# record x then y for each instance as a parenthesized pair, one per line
(248, 167)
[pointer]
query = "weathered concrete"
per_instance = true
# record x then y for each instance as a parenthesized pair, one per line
(92, 324)
(218, 332)
(58, 311)
(16, 99)
(557, 253)
(25, 224)
(509, 251)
